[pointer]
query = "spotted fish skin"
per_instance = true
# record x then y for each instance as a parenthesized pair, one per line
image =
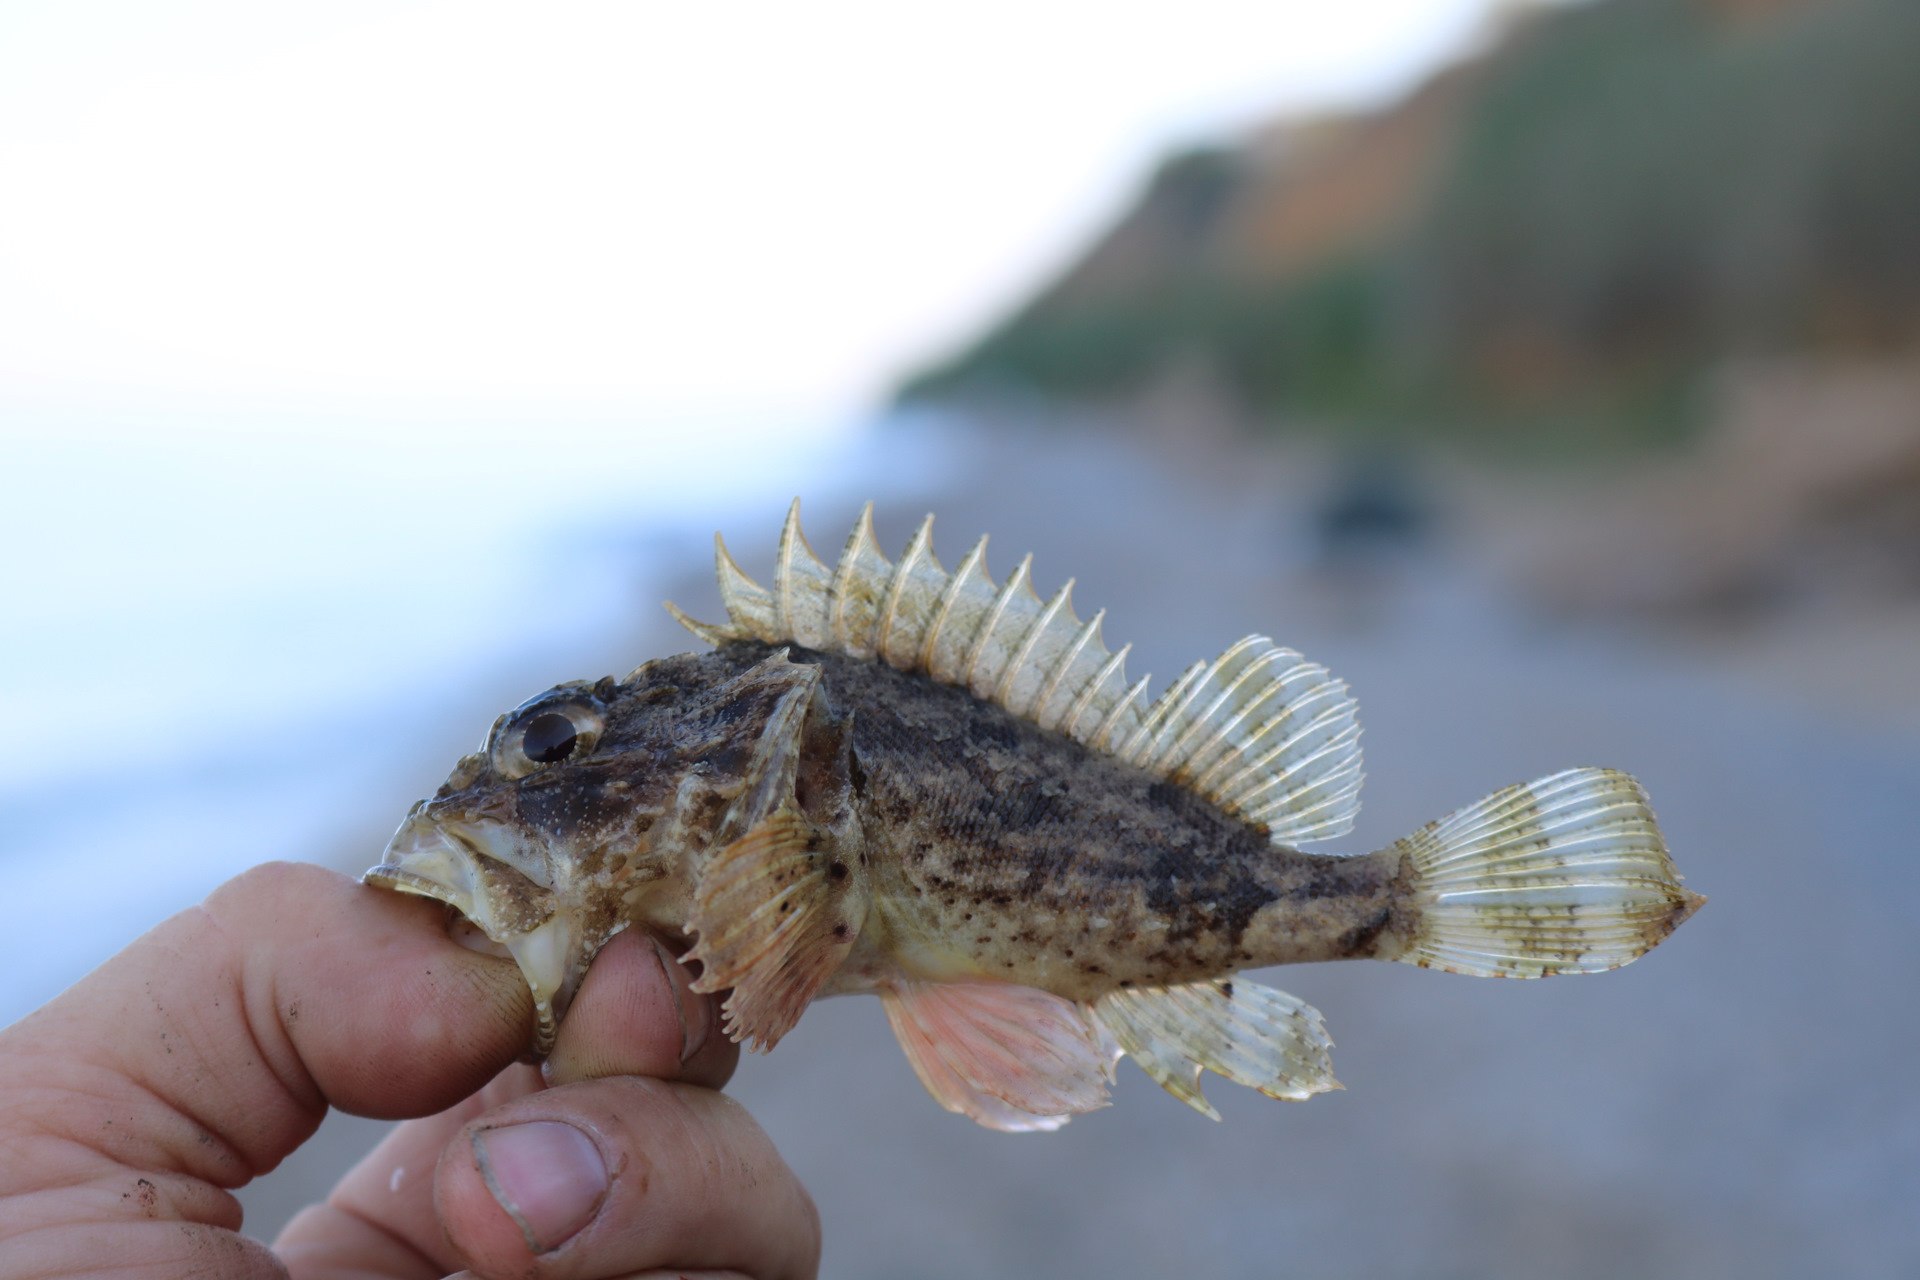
(935, 788)
(1003, 850)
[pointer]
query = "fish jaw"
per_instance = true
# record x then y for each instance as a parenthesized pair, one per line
(471, 866)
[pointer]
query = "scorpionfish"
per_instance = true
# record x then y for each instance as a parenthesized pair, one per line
(889, 777)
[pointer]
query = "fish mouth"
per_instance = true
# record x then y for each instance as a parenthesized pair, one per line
(462, 865)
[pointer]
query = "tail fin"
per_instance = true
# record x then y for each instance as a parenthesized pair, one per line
(1567, 874)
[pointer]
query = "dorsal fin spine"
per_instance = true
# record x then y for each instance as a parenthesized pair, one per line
(1128, 700)
(1144, 745)
(930, 649)
(1003, 692)
(921, 545)
(970, 675)
(749, 605)
(1061, 665)
(840, 590)
(796, 559)
(705, 630)
(1116, 663)
(783, 571)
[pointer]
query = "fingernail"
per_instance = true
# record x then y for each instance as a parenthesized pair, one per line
(694, 1026)
(548, 1176)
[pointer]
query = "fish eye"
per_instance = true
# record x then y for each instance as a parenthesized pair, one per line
(549, 738)
(545, 734)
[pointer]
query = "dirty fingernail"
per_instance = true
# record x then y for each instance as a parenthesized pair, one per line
(548, 1176)
(695, 1022)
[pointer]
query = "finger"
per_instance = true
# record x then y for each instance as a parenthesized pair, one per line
(380, 1219)
(209, 1049)
(636, 1016)
(621, 1175)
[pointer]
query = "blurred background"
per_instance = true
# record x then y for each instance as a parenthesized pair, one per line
(1550, 371)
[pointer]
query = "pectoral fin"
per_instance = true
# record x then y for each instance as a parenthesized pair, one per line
(776, 912)
(1009, 1057)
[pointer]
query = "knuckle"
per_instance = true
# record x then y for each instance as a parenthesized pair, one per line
(270, 882)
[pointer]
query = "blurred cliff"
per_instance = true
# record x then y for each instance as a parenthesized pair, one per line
(1670, 249)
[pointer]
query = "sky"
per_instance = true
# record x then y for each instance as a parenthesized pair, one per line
(432, 210)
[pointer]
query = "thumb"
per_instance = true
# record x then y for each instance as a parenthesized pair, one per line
(634, 1015)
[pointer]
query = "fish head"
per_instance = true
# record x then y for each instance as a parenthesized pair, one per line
(589, 807)
(540, 840)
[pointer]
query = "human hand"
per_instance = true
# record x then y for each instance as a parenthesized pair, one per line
(204, 1053)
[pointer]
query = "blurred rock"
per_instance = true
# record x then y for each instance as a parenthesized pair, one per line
(1804, 488)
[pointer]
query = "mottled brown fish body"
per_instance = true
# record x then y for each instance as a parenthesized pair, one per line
(1000, 849)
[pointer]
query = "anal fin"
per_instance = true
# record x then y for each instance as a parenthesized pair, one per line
(1253, 1035)
(776, 915)
(1008, 1057)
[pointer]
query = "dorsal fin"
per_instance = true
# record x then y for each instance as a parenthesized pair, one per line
(1260, 731)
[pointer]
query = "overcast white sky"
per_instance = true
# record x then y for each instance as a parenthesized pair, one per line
(627, 208)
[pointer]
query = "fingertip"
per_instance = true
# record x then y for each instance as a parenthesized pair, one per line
(386, 1013)
(635, 1015)
(511, 1187)
(618, 1176)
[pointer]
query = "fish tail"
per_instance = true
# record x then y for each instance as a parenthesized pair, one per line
(1567, 874)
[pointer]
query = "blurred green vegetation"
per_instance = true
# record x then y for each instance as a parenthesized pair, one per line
(1633, 191)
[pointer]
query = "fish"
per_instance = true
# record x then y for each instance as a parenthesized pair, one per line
(891, 778)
